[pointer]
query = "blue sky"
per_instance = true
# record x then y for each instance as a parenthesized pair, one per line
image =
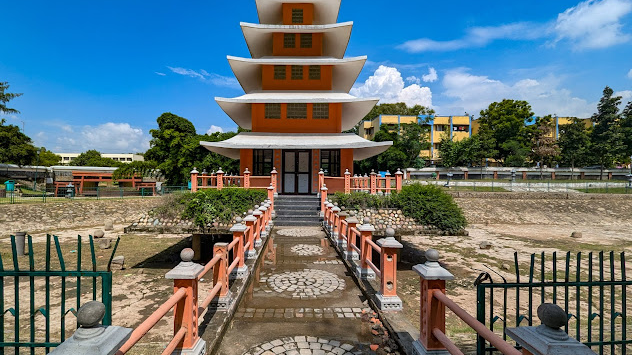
(97, 74)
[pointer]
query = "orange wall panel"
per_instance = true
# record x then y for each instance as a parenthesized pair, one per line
(285, 125)
(308, 13)
(279, 50)
(269, 83)
(245, 160)
(346, 161)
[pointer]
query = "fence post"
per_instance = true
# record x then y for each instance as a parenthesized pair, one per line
(264, 220)
(373, 182)
(334, 222)
(347, 182)
(398, 179)
(246, 179)
(432, 279)
(194, 180)
(366, 230)
(273, 179)
(323, 199)
(342, 242)
(250, 220)
(387, 184)
(350, 253)
(271, 197)
(328, 217)
(184, 276)
(238, 229)
(387, 298)
(258, 215)
(321, 178)
(220, 179)
(220, 274)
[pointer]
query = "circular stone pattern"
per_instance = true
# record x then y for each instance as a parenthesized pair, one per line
(306, 249)
(299, 232)
(303, 345)
(307, 283)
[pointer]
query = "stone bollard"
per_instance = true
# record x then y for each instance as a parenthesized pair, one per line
(20, 243)
(432, 279)
(387, 298)
(366, 230)
(92, 338)
(548, 338)
(350, 253)
(251, 221)
(241, 270)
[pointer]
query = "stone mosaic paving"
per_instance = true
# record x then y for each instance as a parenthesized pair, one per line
(304, 345)
(307, 250)
(304, 284)
(300, 232)
(338, 312)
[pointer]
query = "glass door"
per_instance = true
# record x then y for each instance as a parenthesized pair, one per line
(297, 171)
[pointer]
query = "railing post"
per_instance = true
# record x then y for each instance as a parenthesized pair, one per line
(220, 179)
(387, 298)
(251, 220)
(398, 179)
(328, 213)
(387, 184)
(258, 225)
(432, 279)
(220, 274)
(246, 179)
(350, 253)
(342, 242)
(264, 220)
(335, 222)
(323, 199)
(194, 180)
(273, 179)
(185, 275)
(238, 229)
(271, 197)
(373, 187)
(347, 182)
(321, 178)
(366, 230)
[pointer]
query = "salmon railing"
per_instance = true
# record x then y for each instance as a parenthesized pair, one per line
(187, 276)
(219, 180)
(373, 183)
(345, 233)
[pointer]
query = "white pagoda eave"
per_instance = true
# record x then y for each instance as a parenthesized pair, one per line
(335, 37)
(353, 108)
(345, 71)
(325, 11)
(362, 148)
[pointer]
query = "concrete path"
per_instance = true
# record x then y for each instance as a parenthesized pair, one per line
(301, 301)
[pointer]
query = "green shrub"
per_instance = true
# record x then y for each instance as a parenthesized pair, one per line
(208, 206)
(430, 205)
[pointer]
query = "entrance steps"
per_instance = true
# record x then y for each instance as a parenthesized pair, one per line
(297, 210)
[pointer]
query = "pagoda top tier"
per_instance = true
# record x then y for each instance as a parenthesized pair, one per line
(319, 12)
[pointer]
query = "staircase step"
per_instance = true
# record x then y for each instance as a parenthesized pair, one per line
(282, 213)
(297, 223)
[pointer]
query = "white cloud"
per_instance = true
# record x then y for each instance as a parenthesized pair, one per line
(626, 95)
(593, 24)
(472, 93)
(214, 129)
(211, 78)
(109, 137)
(630, 74)
(431, 77)
(387, 84)
(413, 79)
(159, 73)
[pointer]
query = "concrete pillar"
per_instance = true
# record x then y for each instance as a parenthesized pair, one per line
(258, 225)
(238, 229)
(194, 180)
(220, 179)
(373, 182)
(323, 200)
(387, 298)
(220, 274)
(350, 253)
(366, 230)
(347, 182)
(246, 179)
(251, 221)
(398, 180)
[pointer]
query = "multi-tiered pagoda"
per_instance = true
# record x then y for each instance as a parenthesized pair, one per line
(297, 101)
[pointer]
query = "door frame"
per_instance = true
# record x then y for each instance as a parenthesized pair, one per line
(309, 180)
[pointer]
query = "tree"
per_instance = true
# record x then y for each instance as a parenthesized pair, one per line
(606, 136)
(626, 129)
(15, 146)
(5, 97)
(46, 158)
(502, 127)
(137, 168)
(94, 158)
(451, 152)
(543, 143)
(574, 143)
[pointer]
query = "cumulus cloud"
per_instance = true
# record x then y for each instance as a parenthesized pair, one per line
(387, 84)
(472, 93)
(109, 137)
(431, 77)
(626, 95)
(214, 129)
(413, 79)
(210, 78)
(630, 74)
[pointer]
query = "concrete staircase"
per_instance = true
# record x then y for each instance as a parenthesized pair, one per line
(297, 210)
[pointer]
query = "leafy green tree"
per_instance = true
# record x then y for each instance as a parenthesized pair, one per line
(544, 146)
(5, 97)
(46, 158)
(606, 136)
(626, 129)
(502, 126)
(15, 146)
(137, 168)
(94, 158)
(451, 152)
(574, 143)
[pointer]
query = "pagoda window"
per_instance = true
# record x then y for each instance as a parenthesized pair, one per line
(289, 40)
(330, 162)
(297, 16)
(306, 40)
(279, 72)
(314, 72)
(297, 72)
(297, 111)
(320, 111)
(273, 111)
(262, 162)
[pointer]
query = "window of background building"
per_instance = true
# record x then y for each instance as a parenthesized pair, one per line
(320, 111)
(279, 72)
(289, 40)
(306, 40)
(297, 15)
(129, 159)
(297, 111)
(314, 72)
(297, 72)
(330, 162)
(440, 128)
(262, 162)
(273, 111)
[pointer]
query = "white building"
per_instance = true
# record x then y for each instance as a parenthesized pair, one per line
(66, 158)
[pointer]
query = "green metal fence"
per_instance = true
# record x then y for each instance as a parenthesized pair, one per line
(591, 289)
(52, 295)
(94, 193)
